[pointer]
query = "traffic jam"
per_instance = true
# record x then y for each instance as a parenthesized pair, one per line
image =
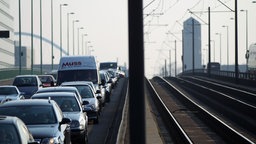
(57, 108)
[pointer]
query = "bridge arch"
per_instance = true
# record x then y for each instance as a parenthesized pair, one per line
(43, 39)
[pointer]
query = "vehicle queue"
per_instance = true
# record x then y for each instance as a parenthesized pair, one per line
(77, 99)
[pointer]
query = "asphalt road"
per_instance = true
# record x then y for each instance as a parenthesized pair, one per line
(106, 131)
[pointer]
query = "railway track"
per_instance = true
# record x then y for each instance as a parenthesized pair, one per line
(190, 114)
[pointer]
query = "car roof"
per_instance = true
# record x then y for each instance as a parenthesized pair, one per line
(76, 83)
(27, 102)
(49, 94)
(8, 86)
(56, 89)
(8, 119)
(27, 76)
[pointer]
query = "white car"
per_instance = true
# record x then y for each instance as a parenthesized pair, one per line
(87, 94)
(9, 92)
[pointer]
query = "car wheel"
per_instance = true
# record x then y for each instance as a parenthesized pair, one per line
(84, 138)
(96, 121)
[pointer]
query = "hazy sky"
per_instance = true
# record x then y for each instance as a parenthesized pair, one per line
(106, 23)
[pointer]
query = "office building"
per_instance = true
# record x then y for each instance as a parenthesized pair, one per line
(191, 42)
(6, 44)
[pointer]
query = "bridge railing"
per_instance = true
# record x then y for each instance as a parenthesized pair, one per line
(248, 79)
(8, 73)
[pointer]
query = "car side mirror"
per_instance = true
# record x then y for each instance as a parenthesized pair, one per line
(65, 121)
(98, 97)
(103, 82)
(85, 102)
(110, 81)
(98, 91)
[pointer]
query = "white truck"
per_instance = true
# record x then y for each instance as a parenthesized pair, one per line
(78, 68)
(251, 56)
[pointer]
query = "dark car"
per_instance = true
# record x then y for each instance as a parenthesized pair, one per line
(106, 82)
(47, 80)
(43, 118)
(87, 94)
(62, 89)
(9, 92)
(71, 108)
(13, 130)
(28, 84)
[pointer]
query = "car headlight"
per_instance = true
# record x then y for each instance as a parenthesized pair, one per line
(74, 124)
(53, 140)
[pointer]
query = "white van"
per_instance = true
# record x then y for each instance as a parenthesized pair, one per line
(78, 68)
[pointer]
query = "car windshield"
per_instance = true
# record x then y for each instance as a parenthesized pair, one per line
(25, 81)
(66, 104)
(85, 91)
(45, 79)
(77, 75)
(108, 65)
(31, 115)
(8, 91)
(8, 134)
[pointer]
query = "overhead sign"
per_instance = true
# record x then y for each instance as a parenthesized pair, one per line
(4, 34)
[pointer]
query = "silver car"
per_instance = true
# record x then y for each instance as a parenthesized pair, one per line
(8, 92)
(87, 93)
(71, 108)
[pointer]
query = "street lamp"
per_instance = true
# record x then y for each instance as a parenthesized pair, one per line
(83, 43)
(61, 27)
(74, 35)
(41, 40)
(225, 26)
(220, 45)
(90, 50)
(246, 45)
(68, 30)
(19, 37)
(78, 38)
(86, 47)
(32, 33)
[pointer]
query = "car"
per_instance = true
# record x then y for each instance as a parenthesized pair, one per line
(13, 130)
(47, 80)
(71, 108)
(43, 118)
(106, 82)
(62, 89)
(113, 76)
(28, 84)
(86, 91)
(98, 92)
(9, 92)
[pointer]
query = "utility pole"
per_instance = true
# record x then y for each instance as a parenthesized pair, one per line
(209, 43)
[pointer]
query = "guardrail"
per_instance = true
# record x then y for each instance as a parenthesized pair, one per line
(244, 78)
(12, 72)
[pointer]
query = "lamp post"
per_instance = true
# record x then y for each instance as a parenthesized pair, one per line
(52, 57)
(220, 45)
(61, 27)
(41, 40)
(225, 26)
(78, 52)
(246, 45)
(68, 31)
(19, 37)
(32, 33)
(74, 21)
(83, 43)
(86, 47)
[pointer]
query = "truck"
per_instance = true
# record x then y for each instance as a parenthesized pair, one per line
(78, 68)
(251, 57)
